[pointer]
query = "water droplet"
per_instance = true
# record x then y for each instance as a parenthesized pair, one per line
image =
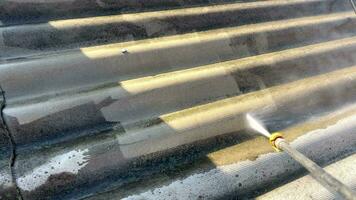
(124, 51)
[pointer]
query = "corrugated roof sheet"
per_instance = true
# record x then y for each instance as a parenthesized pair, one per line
(101, 96)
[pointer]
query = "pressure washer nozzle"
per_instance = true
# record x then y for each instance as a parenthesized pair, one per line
(273, 138)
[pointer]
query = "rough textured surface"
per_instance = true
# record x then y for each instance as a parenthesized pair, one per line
(16, 11)
(106, 98)
(7, 185)
(308, 188)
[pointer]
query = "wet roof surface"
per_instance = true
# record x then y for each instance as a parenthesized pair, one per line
(147, 99)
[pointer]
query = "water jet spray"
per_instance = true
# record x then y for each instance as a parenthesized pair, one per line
(280, 144)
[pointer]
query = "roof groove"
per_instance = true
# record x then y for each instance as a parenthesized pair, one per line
(102, 99)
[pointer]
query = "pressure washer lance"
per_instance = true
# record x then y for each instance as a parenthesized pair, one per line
(353, 4)
(329, 182)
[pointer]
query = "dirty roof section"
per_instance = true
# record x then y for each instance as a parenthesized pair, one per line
(110, 99)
